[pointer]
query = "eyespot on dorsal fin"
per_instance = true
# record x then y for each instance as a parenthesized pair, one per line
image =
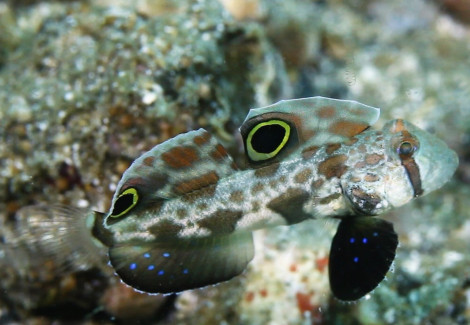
(273, 132)
(177, 265)
(362, 252)
(185, 163)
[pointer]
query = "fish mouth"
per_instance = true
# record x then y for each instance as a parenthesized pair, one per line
(437, 162)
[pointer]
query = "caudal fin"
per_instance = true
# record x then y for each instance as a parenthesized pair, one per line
(57, 234)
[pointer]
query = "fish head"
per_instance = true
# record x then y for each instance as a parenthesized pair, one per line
(389, 168)
(426, 161)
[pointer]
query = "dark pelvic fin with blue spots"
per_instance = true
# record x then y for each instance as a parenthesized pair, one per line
(362, 252)
(166, 267)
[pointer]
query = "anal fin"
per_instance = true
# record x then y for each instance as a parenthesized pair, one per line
(174, 266)
(361, 254)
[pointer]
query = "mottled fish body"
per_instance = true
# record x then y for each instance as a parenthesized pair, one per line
(183, 213)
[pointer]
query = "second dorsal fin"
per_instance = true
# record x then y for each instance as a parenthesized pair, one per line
(271, 133)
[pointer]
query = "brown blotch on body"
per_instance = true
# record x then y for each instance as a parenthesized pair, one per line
(362, 148)
(371, 178)
(290, 205)
(272, 183)
(317, 184)
(326, 112)
(329, 198)
(237, 196)
(181, 213)
(332, 147)
(355, 179)
(219, 153)
(165, 228)
(360, 165)
(202, 206)
(180, 157)
(309, 152)
(374, 159)
(333, 166)
(359, 111)
(303, 176)
(267, 171)
(148, 161)
(347, 128)
(197, 183)
(222, 221)
(198, 194)
(202, 139)
(258, 187)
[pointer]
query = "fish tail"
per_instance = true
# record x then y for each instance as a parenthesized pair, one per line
(58, 236)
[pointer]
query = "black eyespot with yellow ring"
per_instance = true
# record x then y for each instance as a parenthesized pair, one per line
(125, 202)
(266, 139)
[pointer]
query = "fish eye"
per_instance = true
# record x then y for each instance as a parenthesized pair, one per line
(406, 149)
(266, 139)
(125, 202)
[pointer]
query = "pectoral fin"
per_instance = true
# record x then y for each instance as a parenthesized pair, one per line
(362, 252)
(166, 267)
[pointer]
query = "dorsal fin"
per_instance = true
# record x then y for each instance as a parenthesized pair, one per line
(180, 165)
(272, 132)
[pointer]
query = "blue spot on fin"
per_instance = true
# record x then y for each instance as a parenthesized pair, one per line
(355, 270)
(174, 266)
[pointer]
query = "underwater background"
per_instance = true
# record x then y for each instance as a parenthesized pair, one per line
(87, 86)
